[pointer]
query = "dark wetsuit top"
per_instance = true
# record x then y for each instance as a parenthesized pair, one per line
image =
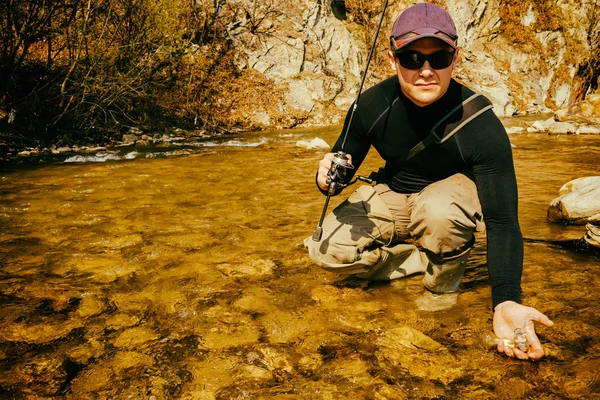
(387, 120)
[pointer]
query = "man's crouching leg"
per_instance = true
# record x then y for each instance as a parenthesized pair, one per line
(445, 276)
(358, 240)
(444, 217)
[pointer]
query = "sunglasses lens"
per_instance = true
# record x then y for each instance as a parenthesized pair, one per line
(439, 60)
(411, 60)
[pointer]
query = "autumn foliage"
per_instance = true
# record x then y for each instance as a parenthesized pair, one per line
(83, 67)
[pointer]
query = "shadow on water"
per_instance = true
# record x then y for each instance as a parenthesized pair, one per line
(183, 275)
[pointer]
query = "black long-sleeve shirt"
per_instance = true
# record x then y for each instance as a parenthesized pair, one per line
(387, 120)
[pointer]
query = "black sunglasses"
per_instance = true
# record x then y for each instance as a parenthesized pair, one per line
(414, 60)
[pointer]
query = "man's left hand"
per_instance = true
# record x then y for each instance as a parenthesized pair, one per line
(509, 316)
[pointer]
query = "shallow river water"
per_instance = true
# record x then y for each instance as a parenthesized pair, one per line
(181, 274)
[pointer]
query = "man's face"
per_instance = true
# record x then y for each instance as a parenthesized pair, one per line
(425, 85)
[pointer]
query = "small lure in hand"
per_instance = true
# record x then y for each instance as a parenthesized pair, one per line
(519, 341)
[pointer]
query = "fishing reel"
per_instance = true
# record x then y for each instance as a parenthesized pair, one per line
(338, 171)
(336, 179)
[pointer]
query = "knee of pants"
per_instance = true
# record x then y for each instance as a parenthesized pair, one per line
(342, 247)
(341, 257)
(353, 231)
(442, 228)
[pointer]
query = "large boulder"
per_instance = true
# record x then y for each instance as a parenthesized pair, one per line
(578, 202)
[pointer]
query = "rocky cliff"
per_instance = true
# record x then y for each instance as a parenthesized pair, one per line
(526, 56)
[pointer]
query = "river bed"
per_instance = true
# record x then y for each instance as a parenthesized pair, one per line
(181, 274)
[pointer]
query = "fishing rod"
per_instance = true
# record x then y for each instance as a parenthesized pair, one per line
(341, 162)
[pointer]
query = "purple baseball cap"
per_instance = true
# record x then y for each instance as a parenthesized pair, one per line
(420, 21)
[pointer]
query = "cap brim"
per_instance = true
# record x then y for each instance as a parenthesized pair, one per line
(398, 44)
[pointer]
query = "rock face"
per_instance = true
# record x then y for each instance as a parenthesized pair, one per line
(527, 57)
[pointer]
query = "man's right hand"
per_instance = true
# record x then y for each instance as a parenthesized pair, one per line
(324, 167)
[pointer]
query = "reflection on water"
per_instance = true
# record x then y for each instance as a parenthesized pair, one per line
(181, 274)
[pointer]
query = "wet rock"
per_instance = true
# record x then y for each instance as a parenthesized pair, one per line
(316, 143)
(44, 375)
(513, 388)
(258, 300)
(406, 336)
(84, 353)
(282, 327)
(120, 242)
(134, 337)
(130, 359)
(209, 375)
(227, 329)
(562, 128)
(515, 129)
(38, 333)
(540, 126)
(355, 300)
(275, 360)
(255, 373)
(441, 367)
(578, 201)
(134, 130)
(310, 362)
(102, 269)
(129, 139)
(537, 126)
(385, 392)
(90, 306)
(92, 379)
(412, 350)
(257, 268)
(588, 130)
(223, 336)
(356, 371)
(592, 236)
(586, 111)
(190, 240)
(435, 302)
(553, 351)
(120, 321)
(261, 119)
(312, 347)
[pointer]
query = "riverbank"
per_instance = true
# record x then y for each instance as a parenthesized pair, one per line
(12, 149)
(135, 138)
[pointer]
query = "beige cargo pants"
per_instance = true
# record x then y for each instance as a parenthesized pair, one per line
(378, 234)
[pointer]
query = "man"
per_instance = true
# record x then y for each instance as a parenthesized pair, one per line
(422, 214)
